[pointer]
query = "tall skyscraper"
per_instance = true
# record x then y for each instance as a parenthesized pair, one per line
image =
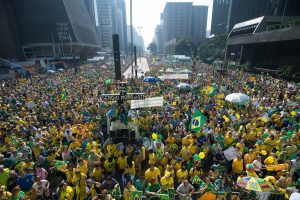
(219, 17)
(46, 29)
(112, 20)
(227, 13)
(183, 20)
(199, 23)
(105, 23)
(158, 38)
(122, 25)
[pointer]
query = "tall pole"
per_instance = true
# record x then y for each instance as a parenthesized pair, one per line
(73, 55)
(131, 36)
(135, 62)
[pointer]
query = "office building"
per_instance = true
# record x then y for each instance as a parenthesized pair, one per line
(183, 20)
(199, 23)
(47, 29)
(112, 20)
(227, 13)
(265, 42)
(158, 39)
(105, 23)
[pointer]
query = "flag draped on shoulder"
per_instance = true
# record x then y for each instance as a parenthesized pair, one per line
(136, 195)
(197, 121)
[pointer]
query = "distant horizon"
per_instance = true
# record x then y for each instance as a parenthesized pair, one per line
(146, 13)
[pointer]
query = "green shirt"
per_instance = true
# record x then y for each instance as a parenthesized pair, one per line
(4, 176)
(153, 188)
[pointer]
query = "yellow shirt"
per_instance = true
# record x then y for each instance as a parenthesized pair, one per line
(67, 194)
(111, 149)
(181, 175)
(108, 166)
(270, 144)
(237, 166)
(97, 173)
(195, 172)
(149, 174)
(185, 153)
(229, 140)
(83, 168)
(121, 162)
(167, 184)
(152, 158)
(127, 192)
(251, 173)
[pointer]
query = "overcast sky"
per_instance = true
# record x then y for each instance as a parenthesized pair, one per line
(146, 13)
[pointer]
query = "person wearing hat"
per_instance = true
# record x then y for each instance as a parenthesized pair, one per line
(167, 182)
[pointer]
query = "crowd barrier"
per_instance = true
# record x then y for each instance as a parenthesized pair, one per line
(219, 195)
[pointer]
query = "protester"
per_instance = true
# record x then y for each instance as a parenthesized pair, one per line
(53, 128)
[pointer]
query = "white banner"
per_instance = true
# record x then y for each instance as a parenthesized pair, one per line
(176, 76)
(148, 102)
(230, 153)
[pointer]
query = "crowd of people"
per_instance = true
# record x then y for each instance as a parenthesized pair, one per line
(54, 143)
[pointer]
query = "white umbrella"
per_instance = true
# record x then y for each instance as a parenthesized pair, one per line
(184, 86)
(237, 98)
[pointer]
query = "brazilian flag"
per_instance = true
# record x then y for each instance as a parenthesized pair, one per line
(136, 195)
(197, 121)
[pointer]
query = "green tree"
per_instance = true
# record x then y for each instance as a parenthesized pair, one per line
(212, 48)
(183, 47)
(152, 48)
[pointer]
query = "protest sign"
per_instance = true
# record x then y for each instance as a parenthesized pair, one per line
(230, 153)
(148, 102)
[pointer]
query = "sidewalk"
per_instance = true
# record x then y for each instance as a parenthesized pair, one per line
(143, 67)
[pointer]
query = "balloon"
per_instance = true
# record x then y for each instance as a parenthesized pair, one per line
(246, 150)
(293, 113)
(264, 119)
(250, 166)
(265, 135)
(271, 159)
(238, 145)
(196, 157)
(277, 153)
(263, 152)
(238, 116)
(285, 138)
(154, 136)
(289, 134)
(202, 155)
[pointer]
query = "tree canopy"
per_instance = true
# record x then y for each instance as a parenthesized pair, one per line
(212, 48)
(152, 48)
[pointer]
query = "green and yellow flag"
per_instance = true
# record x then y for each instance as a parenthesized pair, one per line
(197, 121)
(196, 180)
(171, 193)
(163, 197)
(136, 195)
